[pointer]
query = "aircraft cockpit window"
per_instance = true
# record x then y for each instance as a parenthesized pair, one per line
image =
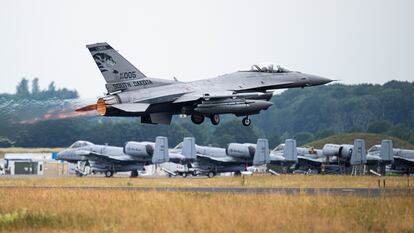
(80, 144)
(179, 146)
(374, 149)
(270, 68)
(279, 147)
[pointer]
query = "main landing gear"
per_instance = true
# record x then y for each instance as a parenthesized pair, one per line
(215, 119)
(246, 121)
(109, 173)
(197, 119)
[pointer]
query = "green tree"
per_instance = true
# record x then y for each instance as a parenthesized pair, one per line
(22, 88)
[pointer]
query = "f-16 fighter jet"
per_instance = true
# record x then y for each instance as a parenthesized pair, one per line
(91, 158)
(235, 158)
(242, 93)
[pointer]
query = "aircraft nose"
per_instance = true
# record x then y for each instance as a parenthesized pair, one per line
(317, 80)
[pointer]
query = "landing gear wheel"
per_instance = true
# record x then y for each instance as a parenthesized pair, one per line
(246, 121)
(134, 173)
(210, 174)
(184, 175)
(109, 173)
(215, 119)
(197, 119)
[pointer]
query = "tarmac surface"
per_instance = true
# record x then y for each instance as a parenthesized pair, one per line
(368, 192)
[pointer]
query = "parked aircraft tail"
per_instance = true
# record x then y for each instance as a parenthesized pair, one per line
(189, 150)
(359, 154)
(386, 152)
(161, 150)
(261, 155)
(119, 73)
(290, 151)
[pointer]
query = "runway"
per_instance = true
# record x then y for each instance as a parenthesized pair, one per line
(368, 192)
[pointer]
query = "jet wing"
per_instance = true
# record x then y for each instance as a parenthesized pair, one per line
(224, 159)
(403, 160)
(314, 160)
(106, 158)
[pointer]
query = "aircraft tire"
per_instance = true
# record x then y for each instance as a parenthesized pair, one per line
(210, 174)
(134, 173)
(215, 119)
(184, 175)
(197, 119)
(109, 173)
(246, 121)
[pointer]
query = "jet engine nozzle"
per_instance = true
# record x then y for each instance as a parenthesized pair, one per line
(104, 102)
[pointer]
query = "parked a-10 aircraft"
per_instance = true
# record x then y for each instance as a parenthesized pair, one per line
(242, 93)
(91, 158)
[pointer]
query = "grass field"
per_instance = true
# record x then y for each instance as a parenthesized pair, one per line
(301, 181)
(58, 210)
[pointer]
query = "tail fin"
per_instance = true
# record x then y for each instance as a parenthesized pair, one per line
(119, 73)
(189, 150)
(359, 154)
(261, 155)
(290, 151)
(386, 152)
(161, 150)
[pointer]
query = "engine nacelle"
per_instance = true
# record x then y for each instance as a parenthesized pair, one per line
(139, 149)
(342, 151)
(239, 150)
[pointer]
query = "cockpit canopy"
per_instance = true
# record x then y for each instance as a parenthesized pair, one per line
(280, 147)
(268, 68)
(374, 149)
(79, 144)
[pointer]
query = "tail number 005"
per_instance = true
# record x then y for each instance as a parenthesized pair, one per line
(127, 75)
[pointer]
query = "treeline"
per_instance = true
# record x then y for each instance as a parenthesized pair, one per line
(26, 91)
(304, 114)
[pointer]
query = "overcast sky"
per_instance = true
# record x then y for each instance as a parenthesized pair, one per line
(352, 40)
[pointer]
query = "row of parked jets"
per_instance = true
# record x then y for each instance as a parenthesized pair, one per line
(194, 159)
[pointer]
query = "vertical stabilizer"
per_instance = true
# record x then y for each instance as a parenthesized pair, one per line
(261, 155)
(161, 150)
(290, 151)
(386, 151)
(189, 150)
(359, 154)
(119, 73)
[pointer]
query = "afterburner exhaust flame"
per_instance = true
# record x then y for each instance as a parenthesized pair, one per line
(57, 115)
(29, 111)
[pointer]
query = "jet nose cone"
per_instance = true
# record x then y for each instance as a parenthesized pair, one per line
(317, 80)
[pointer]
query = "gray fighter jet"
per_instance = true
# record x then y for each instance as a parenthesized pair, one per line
(91, 158)
(401, 160)
(242, 93)
(235, 158)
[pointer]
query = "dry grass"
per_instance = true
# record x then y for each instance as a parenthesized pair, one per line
(76, 210)
(301, 181)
